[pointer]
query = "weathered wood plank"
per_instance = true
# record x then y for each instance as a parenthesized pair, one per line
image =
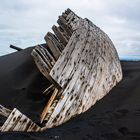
(64, 24)
(19, 122)
(44, 61)
(53, 45)
(53, 106)
(4, 111)
(59, 33)
(45, 111)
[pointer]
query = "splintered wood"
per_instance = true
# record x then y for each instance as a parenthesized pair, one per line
(82, 65)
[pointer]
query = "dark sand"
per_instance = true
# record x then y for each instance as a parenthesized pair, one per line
(115, 117)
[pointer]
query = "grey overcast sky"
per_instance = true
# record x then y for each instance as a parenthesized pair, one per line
(25, 22)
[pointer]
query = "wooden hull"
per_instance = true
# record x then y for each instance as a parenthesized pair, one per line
(87, 68)
(82, 65)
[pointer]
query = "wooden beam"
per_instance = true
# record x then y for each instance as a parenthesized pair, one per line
(15, 48)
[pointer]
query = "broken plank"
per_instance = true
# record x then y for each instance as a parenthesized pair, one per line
(4, 111)
(44, 63)
(53, 45)
(63, 24)
(15, 122)
(60, 35)
(43, 114)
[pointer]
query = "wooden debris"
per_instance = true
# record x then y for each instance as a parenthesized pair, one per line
(17, 121)
(4, 111)
(44, 61)
(49, 89)
(16, 48)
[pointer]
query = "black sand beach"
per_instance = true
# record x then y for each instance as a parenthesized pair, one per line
(115, 117)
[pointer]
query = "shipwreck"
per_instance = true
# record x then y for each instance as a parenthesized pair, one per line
(81, 63)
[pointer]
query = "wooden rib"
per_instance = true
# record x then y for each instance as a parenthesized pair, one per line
(41, 64)
(53, 45)
(60, 35)
(64, 15)
(68, 11)
(56, 41)
(63, 23)
(43, 114)
(46, 55)
(44, 62)
(4, 111)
